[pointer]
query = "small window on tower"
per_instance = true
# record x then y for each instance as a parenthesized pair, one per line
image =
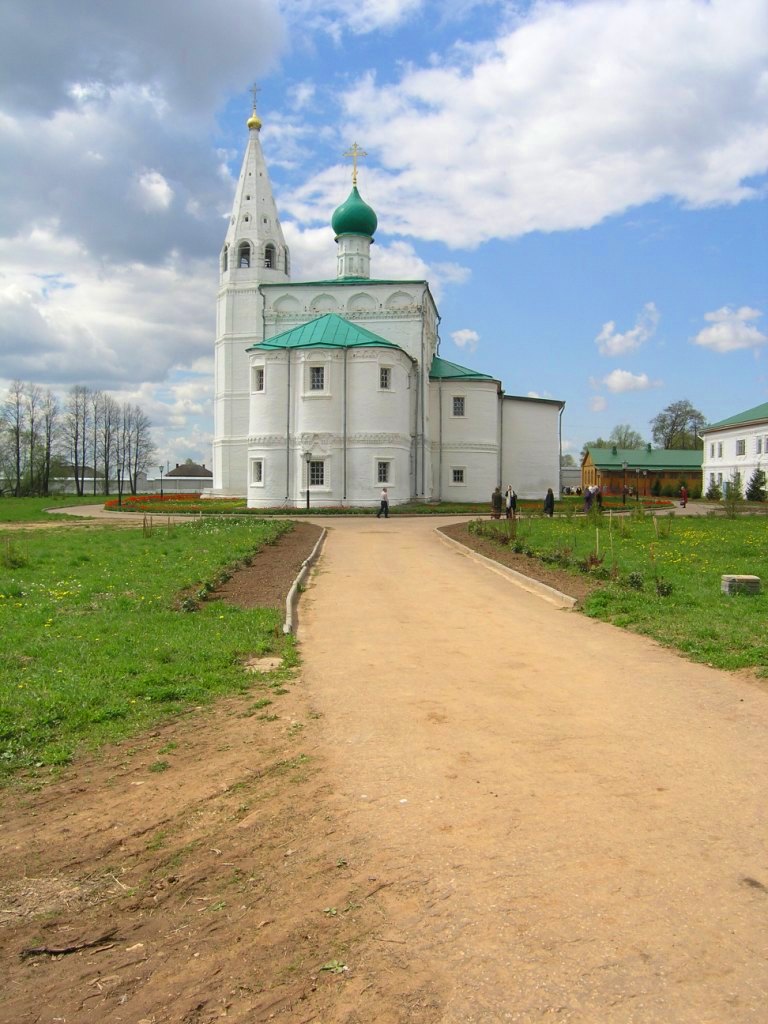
(258, 378)
(385, 378)
(244, 255)
(269, 257)
(225, 258)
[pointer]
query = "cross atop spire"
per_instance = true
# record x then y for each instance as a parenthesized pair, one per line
(355, 152)
(254, 89)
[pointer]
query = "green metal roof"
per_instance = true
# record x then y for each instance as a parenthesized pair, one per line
(442, 369)
(642, 458)
(354, 216)
(328, 331)
(760, 412)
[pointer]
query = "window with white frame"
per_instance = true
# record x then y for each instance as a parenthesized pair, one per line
(458, 405)
(719, 449)
(719, 479)
(317, 473)
(317, 378)
(741, 446)
(385, 378)
(758, 446)
(257, 471)
(712, 450)
(457, 475)
(257, 378)
(383, 471)
(711, 479)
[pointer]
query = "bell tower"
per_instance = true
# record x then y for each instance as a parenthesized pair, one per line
(254, 252)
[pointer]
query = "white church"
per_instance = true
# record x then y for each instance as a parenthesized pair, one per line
(327, 391)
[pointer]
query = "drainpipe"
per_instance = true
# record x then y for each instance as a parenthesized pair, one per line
(288, 430)
(344, 431)
(501, 434)
(422, 397)
(440, 449)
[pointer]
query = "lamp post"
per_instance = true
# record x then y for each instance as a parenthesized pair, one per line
(645, 484)
(624, 488)
(637, 485)
(161, 482)
(308, 460)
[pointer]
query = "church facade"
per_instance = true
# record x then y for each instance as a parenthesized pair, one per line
(328, 391)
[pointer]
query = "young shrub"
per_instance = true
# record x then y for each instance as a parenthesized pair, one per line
(756, 488)
(713, 492)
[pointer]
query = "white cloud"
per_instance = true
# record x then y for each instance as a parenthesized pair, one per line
(611, 343)
(360, 17)
(465, 338)
(580, 112)
(154, 191)
(731, 329)
(598, 403)
(622, 380)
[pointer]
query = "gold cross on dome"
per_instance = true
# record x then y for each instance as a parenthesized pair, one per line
(253, 90)
(355, 152)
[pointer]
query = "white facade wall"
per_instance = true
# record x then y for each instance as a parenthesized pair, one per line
(350, 426)
(465, 448)
(530, 446)
(722, 456)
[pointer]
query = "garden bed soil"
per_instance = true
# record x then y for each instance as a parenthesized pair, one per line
(202, 870)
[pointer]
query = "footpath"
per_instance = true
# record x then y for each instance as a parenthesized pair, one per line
(581, 815)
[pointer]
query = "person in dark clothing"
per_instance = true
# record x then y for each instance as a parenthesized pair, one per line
(510, 501)
(496, 503)
(549, 503)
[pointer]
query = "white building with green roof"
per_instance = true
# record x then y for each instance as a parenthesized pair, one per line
(336, 387)
(735, 447)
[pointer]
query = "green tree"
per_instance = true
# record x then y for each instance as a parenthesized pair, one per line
(756, 490)
(678, 426)
(623, 436)
(567, 460)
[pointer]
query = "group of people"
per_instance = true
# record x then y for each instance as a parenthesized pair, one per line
(593, 496)
(506, 501)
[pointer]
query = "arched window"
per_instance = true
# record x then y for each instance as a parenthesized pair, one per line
(225, 258)
(269, 257)
(244, 255)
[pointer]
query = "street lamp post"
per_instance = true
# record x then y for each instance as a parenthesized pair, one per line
(308, 460)
(624, 488)
(161, 483)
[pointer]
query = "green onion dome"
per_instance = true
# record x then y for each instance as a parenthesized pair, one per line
(354, 216)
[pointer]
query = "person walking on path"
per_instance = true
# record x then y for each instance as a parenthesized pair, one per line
(683, 495)
(496, 502)
(384, 507)
(511, 502)
(549, 503)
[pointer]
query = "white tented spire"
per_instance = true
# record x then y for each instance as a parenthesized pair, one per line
(254, 248)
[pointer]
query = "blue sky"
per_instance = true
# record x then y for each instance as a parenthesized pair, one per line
(583, 183)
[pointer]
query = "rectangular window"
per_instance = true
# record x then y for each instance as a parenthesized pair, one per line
(458, 405)
(758, 446)
(385, 378)
(712, 450)
(457, 475)
(317, 378)
(257, 471)
(316, 474)
(711, 478)
(257, 380)
(741, 446)
(382, 472)
(719, 449)
(719, 479)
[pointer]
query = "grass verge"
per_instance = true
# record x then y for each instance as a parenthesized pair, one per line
(661, 577)
(34, 510)
(97, 644)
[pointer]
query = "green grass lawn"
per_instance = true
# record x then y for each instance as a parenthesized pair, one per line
(32, 510)
(95, 644)
(662, 577)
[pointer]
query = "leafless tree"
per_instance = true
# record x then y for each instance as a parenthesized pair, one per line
(76, 431)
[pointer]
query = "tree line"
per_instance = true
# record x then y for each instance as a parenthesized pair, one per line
(88, 432)
(677, 427)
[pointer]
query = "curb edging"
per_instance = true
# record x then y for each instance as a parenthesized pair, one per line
(292, 600)
(542, 590)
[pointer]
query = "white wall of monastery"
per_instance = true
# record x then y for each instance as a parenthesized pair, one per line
(530, 446)
(722, 456)
(465, 449)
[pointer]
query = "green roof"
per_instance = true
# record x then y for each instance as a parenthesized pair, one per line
(328, 331)
(354, 216)
(642, 458)
(442, 369)
(760, 412)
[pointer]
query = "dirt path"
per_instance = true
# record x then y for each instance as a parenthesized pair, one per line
(576, 816)
(470, 806)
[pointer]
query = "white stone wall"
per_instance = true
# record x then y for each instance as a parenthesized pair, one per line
(465, 449)
(530, 446)
(721, 460)
(375, 423)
